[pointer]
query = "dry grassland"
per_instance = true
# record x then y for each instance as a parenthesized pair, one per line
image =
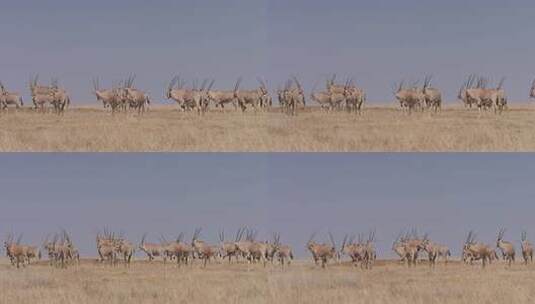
(166, 129)
(388, 282)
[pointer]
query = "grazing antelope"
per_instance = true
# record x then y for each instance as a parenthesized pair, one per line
(507, 248)
(152, 250)
(527, 248)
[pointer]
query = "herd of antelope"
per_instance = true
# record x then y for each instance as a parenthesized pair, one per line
(246, 248)
(123, 96)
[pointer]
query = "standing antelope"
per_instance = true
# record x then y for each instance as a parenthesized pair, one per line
(473, 250)
(527, 248)
(433, 97)
(409, 98)
(322, 252)
(507, 248)
(283, 252)
(229, 249)
(15, 251)
(9, 98)
(204, 251)
(152, 250)
(249, 97)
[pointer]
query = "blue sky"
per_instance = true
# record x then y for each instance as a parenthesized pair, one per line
(377, 42)
(295, 194)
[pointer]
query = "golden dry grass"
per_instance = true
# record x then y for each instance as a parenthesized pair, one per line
(388, 282)
(166, 129)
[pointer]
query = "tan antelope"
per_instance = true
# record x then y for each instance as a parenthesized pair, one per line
(323, 98)
(229, 249)
(133, 97)
(433, 96)
(110, 98)
(244, 245)
(398, 246)
(9, 98)
(222, 98)
(177, 92)
(16, 252)
(180, 250)
(249, 97)
(473, 251)
(283, 253)
(322, 252)
(413, 245)
(201, 98)
(61, 97)
(434, 251)
(152, 250)
(204, 251)
(125, 249)
(527, 248)
(409, 98)
(355, 98)
(507, 248)
(293, 97)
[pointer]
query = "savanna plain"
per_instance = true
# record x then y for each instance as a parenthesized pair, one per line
(164, 128)
(301, 282)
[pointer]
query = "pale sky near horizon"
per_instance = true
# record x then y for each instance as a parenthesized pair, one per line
(295, 194)
(376, 42)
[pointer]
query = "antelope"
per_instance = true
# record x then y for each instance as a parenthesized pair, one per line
(16, 252)
(152, 250)
(355, 98)
(433, 97)
(411, 249)
(229, 249)
(204, 251)
(200, 97)
(473, 250)
(221, 98)
(322, 252)
(244, 246)
(283, 252)
(398, 246)
(527, 248)
(294, 97)
(353, 250)
(532, 90)
(507, 248)
(177, 92)
(126, 249)
(109, 97)
(434, 251)
(409, 98)
(249, 97)
(323, 99)
(9, 98)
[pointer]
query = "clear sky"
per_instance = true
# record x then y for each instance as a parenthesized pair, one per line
(294, 194)
(377, 42)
